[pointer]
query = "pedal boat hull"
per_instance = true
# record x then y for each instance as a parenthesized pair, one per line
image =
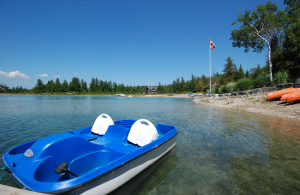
(103, 163)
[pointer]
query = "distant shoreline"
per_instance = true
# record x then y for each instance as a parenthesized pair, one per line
(156, 95)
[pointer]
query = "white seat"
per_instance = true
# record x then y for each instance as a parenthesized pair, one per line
(142, 133)
(101, 124)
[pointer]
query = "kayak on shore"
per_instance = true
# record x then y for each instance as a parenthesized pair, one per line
(280, 93)
(294, 97)
(286, 96)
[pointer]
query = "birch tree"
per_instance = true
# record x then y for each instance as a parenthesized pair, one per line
(257, 30)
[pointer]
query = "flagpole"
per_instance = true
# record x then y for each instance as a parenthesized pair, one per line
(209, 66)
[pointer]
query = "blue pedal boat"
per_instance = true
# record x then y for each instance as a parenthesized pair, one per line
(92, 160)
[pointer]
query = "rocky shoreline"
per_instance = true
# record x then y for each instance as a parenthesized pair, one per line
(255, 103)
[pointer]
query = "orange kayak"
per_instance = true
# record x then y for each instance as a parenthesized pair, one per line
(286, 96)
(278, 94)
(294, 97)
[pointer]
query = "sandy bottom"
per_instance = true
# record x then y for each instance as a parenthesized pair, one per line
(256, 103)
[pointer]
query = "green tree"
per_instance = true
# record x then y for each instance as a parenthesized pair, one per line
(204, 79)
(109, 86)
(182, 85)
(74, 85)
(4, 88)
(229, 71)
(121, 88)
(256, 71)
(97, 85)
(199, 86)
(39, 87)
(240, 74)
(258, 29)
(174, 86)
(288, 58)
(93, 85)
(115, 87)
(101, 87)
(58, 86)
(178, 85)
(247, 75)
(160, 88)
(192, 84)
(214, 78)
(83, 85)
(50, 86)
(65, 86)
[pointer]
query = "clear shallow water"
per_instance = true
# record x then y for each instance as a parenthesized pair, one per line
(218, 151)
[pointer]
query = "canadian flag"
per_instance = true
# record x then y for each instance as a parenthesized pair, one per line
(212, 45)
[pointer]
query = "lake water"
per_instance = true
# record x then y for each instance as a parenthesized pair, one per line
(218, 151)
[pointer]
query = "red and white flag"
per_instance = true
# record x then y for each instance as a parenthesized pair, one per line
(212, 45)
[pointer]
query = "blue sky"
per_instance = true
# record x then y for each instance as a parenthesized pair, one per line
(131, 42)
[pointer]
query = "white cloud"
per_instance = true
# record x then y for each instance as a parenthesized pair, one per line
(42, 75)
(15, 74)
(57, 76)
(75, 73)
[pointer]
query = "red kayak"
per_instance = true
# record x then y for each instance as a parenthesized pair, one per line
(278, 94)
(294, 97)
(286, 96)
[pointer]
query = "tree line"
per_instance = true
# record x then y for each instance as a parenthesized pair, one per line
(5, 89)
(231, 74)
(96, 86)
(179, 85)
(255, 77)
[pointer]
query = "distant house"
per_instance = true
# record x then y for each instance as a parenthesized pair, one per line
(215, 86)
(150, 90)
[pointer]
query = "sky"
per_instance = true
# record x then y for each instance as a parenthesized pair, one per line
(134, 42)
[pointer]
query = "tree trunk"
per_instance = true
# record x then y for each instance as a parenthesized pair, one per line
(270, 65)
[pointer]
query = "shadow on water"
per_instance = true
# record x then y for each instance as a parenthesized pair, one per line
(145, 181)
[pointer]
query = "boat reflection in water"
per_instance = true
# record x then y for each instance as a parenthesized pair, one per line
(288, 128)
(144, 182)
(273, 169)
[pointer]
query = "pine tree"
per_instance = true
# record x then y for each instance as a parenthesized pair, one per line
(83, 85)
(199, 86)
(39, 87)
(115, 87)
(229, 71)
(50, 86)
(192, 86)
(182, 85)
(204, 79)
(65, 86)
(240, 74)
(74, 85)
(255, 71)
(97, 85)
(247, 74)
(57, 87)
(93, 85)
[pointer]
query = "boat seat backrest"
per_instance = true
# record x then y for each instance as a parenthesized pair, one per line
(101, 124)
(142, 133)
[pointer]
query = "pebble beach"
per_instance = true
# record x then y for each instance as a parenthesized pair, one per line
(255, 103)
